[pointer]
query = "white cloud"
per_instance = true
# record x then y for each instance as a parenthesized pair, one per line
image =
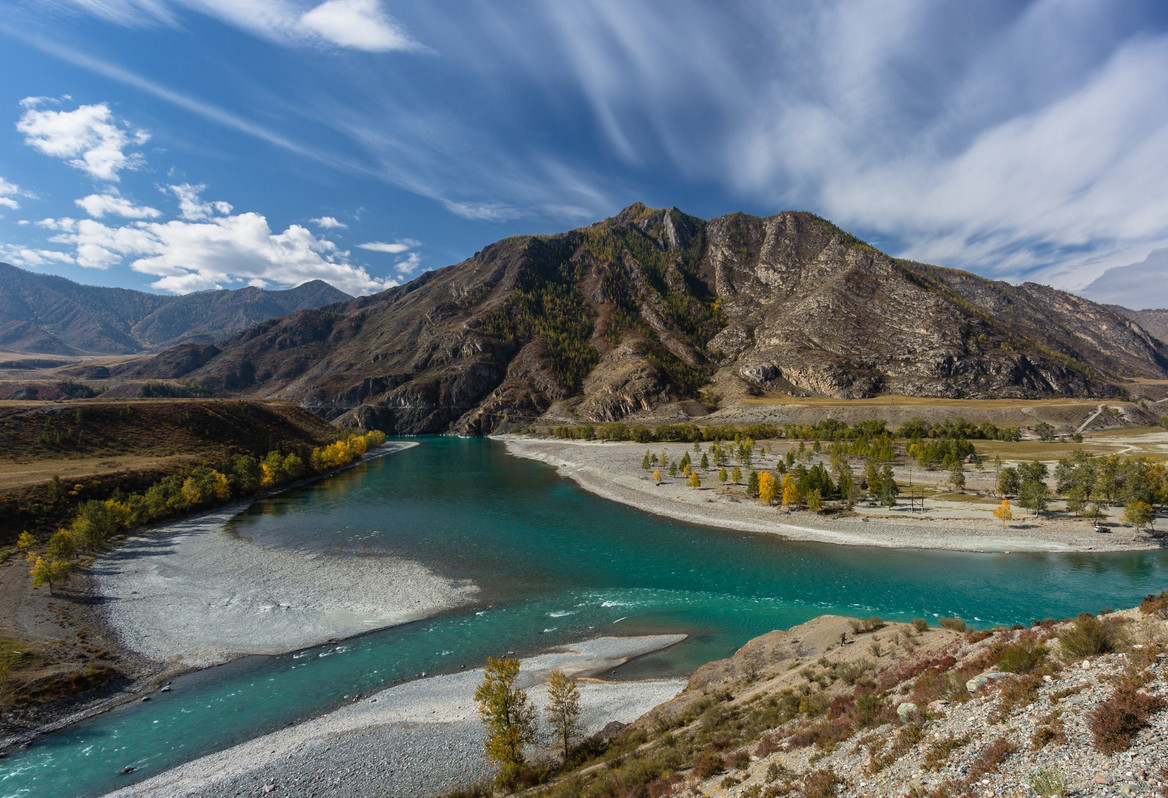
(328, 223)
(88, 138)
(358, 24)
(31, 257)
(112, 203)
(8, 193)
(132, 13)
(64, 224)
(394, 248)
(211, 247)
(191, 205)
(483, 211)
(409, 265)
(353, 24)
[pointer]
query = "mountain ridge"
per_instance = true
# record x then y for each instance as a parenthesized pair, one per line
(654, 306)
(54, 315)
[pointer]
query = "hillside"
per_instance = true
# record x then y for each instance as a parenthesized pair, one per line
(52, 315)
(1154, 321)
(1063, 708)
(653, 307)
(96, 446)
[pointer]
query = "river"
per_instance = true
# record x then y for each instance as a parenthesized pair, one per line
(555, 564)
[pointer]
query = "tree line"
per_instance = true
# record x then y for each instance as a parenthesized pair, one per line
(188, 491)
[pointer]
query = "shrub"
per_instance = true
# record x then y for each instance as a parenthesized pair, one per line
(939, 751)
(1156, 605)
(920, 624)
(709, 764)
(1115, 723)
(990, 759)
(861, 625)
(822, 784)
(1089, 637)
(954, 624)
(1021, 657)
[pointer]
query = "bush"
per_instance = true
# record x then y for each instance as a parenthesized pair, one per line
(822, 784)
(1156, 604)
(1089, 637)
(920, 624)
(861, 625)
(1021, 657)
(709, 764)
(953, 624)
(1115, 723)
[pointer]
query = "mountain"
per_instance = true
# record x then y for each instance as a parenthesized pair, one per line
(655, 306)
(1154, 321)
(48, 314)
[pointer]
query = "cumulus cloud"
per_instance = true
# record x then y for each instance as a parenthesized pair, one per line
(393, 248)
(88, 138)
(191, 205)
(32, 257)
(328, 223)
(111, 203)
(212, 247)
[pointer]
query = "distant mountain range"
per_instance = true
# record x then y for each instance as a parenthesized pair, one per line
(655, 306)
(1154, 321)
(52, 315)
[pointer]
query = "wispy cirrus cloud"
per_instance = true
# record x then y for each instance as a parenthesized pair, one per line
(352, 24)
(87, 138)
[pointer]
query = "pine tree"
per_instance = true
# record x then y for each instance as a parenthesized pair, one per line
(705, 461)
(736, 475)
(508, 718)
(563, 709)
(752, 485)
(645, 462)
(723, 476)
(766, 487)
(695, 481)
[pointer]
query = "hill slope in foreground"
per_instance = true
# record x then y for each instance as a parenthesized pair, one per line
(653, 307)
(1063, 708)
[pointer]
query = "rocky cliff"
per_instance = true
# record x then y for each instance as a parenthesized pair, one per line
(651, 307)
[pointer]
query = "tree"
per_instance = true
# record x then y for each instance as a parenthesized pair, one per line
(752, 485)
(695, 481)
(1003, 512)
(563, 709)
(1044, 431)
(705, 461)
(723, 477)
(61, 546)
(1008, 481)
(791, 495)
(736, 475)
(766, 487)
(46, 571)
(1139, 514)
(957, 478)
(1032, 494)
(657, 476)
(508, 718)
(814, 500)
(645, 461)
(888, 489)
(26, 543)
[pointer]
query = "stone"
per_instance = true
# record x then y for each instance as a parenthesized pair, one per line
(906, 711)
(975, 684)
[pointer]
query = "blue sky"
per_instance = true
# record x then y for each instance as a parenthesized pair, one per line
(180, 145)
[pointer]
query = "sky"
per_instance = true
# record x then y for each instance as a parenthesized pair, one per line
(185, 145)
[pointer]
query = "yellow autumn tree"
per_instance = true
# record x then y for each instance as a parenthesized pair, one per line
(695, 481)
(766, 487)
(657, 476)
(791, 495)
(1003, 513)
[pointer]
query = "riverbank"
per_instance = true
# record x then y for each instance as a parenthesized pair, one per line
(188, 594)
(613, 471)
(416, 739)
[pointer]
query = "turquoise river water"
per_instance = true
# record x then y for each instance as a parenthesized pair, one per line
(555, 564)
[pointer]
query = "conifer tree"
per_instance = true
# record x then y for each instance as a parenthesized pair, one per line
(736, 475)
(723, 476)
